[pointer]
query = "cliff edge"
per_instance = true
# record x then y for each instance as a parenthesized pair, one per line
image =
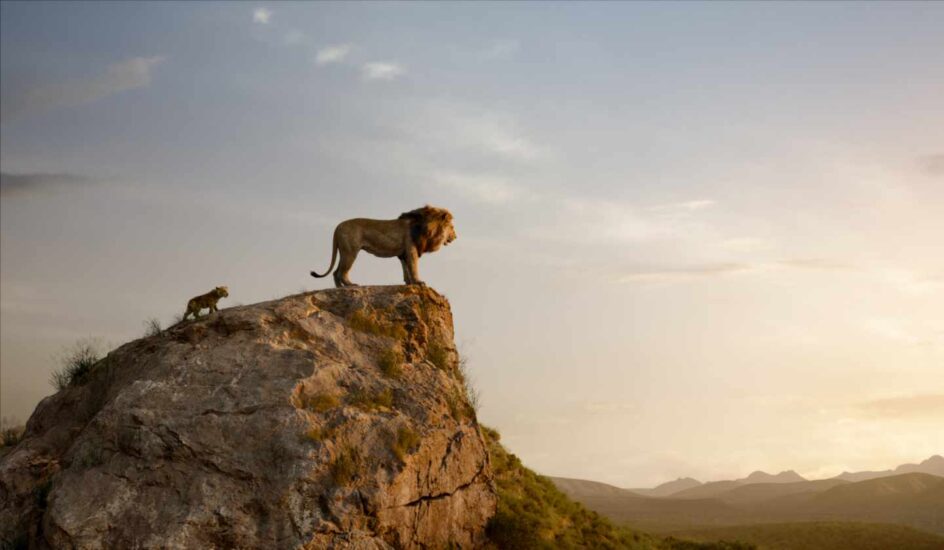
(330, 419)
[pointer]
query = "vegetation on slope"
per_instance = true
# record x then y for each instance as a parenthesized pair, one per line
(823, 535)
(534, 514)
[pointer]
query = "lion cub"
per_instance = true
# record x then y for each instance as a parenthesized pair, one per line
(205, 301)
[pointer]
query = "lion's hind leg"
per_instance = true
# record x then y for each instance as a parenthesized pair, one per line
(344, 267)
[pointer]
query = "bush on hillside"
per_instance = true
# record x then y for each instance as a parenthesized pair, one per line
(76, 363)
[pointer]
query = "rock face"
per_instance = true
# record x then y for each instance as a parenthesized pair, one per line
(331, 419)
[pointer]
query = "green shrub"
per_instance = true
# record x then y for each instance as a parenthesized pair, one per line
(533, 514)
(405, 440)
(345, 466)
(76, 364)
(390, 362)
(369, 322)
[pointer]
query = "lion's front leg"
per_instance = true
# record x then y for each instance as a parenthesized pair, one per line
(407, 278)
(411, 266)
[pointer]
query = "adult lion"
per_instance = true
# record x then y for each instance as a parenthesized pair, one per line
(408, 237)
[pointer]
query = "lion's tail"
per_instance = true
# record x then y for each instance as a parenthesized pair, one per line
(334, 257)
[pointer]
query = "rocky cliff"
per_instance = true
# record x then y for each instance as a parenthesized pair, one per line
(331, 419)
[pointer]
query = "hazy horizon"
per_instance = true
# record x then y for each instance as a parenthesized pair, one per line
(694, 240)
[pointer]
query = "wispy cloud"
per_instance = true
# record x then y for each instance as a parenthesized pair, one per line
(126, 75)
(25, 184)
(919, 405)
(332, 54)
(382, 70)
(911, 282)
(687, 273)
(932, 164)
(501, 49)
(261, 16)
(744, 244)
(689, 206)
(294, 37)
(480, 188)
(905, 331)
(823, 264)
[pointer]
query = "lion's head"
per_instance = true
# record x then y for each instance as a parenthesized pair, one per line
(430, 228)
(221, 291)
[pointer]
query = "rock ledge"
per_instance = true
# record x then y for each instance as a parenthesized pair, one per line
(330, 419)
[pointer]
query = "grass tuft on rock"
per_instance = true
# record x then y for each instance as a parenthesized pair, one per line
(370, 322)
(345, 466)
(371, 401)
(320, 402)
(75, 365)
(406, 439)
(390, 362)
(438, 354)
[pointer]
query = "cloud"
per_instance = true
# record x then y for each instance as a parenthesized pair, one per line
(910, 282)
(688, 273)
(25, 184)
(480, 188)
(905, 331)
(932, 165)
(294, 37)
(687, 206)
(261, 16)
(381, 70)
(501, 48)
(745, 244)
(822, 264)
(332, 54)
(127, 75)
(909, 406)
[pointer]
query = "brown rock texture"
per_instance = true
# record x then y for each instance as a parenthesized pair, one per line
(330, 419)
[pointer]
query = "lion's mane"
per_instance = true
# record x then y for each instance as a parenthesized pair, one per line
(428, 227)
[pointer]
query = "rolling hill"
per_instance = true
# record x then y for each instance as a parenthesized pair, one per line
(915, 500)
(822, 536)
(715, 488)
(669, 487)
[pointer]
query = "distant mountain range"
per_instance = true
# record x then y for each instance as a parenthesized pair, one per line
(910, 495)
(933, 466)
(688, 487)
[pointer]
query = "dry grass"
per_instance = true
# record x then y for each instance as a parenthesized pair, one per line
(405, 440)
(370, 322)
(11, 434)
(459, 408)
(76, 363)
(390, 362)
(472, 395)
(320, 402)
(371, 401)
(345, 466)
(438, 354)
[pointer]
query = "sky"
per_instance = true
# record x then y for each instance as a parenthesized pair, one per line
(694, 239)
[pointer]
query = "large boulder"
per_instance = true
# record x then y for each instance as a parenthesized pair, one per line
(331, 419)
